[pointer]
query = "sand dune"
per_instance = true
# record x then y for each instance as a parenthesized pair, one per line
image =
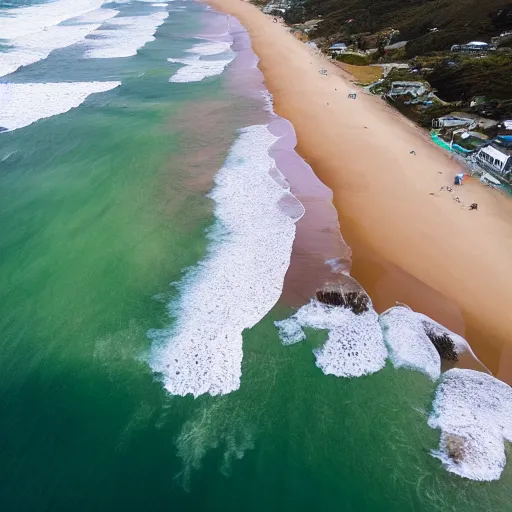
(410, 246)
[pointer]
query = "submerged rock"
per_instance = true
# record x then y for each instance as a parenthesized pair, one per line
(455, 447)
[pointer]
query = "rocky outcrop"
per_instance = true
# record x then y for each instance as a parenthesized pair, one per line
(347, 294)
(443, 343)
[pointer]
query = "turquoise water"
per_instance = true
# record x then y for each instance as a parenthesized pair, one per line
(101, 209)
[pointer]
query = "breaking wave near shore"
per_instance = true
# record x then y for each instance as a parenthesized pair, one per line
(474, 413)
(238, 282)
(472, 409)
(355, 345)
(200, 65)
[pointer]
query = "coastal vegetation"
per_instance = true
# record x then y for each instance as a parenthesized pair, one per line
(414, 20)
(490, 76)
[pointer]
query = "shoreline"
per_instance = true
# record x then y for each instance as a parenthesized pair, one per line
(410, 243)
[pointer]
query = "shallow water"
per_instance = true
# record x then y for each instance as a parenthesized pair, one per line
(104, 211)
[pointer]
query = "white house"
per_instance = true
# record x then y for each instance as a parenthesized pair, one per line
(494, 159)
(412, 88)
(338, 48)
(451, 121)
(472, 46)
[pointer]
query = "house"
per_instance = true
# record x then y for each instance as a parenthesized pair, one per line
(463, 119)
(471, 47)
(496, 159)
(411, 88)
(451, 121)
(338, 48)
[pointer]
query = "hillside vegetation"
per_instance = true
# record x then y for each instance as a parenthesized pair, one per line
(457, 21)
(490, 77)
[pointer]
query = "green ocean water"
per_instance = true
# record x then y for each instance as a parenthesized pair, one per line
(101, 209)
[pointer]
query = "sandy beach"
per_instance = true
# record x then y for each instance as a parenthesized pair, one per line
(411, 241)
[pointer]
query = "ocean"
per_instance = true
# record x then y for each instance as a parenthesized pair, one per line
(161, 244)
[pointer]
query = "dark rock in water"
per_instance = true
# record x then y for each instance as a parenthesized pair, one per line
(358, 302)
(2, 129)
(444, 345)
(455, 447)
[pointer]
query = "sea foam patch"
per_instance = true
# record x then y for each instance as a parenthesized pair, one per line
(473, 410)
(123, 36)
(354, 345)
(409, 345)
(24, 104)
(238, 282)
(36, 46)
(196, 69)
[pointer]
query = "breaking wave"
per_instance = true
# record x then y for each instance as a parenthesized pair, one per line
(26, 21)
(123, 36)
(354, 346)
(34, 43)
(196, 69)
(238, 282)
(24, 104)
(409, 345)
(473, 410)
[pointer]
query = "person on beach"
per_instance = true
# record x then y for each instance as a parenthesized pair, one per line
(459, 178)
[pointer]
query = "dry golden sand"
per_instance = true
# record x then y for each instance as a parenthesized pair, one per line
(424, 250)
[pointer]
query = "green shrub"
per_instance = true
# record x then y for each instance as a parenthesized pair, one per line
(354, 59)
(490, 77)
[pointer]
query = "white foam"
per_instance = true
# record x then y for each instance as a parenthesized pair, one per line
(239, 281)
(123, 36)
(97, 16)
(210, 47)
(196, 69)
(354, 346)
(269, 101)
(158, 5)
(409, 345)
(36, 46)
(337, 265)
(24, 21)
(24, 104)
(475, 409)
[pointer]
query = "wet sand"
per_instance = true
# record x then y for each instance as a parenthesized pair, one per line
(427, 251)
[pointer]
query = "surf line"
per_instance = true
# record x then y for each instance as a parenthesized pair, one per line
(472, 409)
(239, 280)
